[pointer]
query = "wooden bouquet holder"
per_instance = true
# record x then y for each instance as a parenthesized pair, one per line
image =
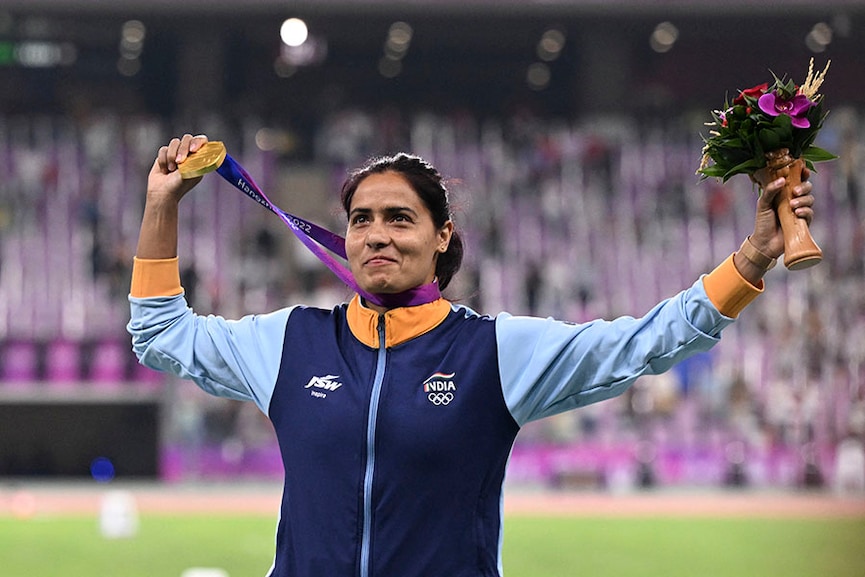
(800, 249)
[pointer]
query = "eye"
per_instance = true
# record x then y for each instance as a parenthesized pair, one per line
(402, 217)
(359, 218)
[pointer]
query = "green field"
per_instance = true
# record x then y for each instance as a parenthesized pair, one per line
(534, 547)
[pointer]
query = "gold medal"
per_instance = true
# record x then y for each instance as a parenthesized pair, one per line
(206, 159)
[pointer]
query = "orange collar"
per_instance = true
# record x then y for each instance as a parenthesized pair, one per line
(400, 324)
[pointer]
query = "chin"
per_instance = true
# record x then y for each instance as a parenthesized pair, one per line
(379, 286)
(384, 286)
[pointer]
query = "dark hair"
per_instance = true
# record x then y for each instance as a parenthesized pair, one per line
(427, 183)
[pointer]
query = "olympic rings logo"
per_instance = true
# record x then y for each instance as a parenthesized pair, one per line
(440, 398)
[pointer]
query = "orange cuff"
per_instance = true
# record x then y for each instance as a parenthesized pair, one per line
(155, 277)
(728, 290)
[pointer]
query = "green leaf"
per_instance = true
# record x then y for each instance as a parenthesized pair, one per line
(783, 121)
(817, 154)
(769, 139)
(713, 171)
(789, 89)
(747, 167)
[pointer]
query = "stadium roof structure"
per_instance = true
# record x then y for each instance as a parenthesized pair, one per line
(631, 7)
(481, 54)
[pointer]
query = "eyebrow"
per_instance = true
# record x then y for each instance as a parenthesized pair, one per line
(389, 210)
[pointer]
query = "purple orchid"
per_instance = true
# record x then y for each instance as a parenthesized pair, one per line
(774, 104)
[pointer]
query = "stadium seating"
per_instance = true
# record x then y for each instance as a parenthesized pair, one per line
(571, 220)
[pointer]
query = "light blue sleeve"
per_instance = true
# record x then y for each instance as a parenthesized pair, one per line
(548, 366)
(236, 359)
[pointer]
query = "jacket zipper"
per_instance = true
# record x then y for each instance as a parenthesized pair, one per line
(366, 537)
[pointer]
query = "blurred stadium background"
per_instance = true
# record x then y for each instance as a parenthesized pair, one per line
(570, 131)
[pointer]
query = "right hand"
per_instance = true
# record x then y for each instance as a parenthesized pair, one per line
(768, 236)
(164, 181)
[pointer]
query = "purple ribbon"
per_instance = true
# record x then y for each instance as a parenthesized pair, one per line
(317, 239)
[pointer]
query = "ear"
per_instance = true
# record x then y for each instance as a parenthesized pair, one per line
(444, 236)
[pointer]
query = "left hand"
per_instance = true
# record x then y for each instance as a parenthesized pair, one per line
(767, 236)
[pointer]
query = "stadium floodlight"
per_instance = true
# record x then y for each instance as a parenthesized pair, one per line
(293, 32)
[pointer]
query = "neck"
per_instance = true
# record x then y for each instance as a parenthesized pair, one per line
(419, 295)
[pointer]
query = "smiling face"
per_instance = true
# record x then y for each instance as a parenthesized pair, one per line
(391, 242)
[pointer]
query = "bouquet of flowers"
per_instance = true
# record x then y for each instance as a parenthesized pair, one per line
(769, 131)
(764, 119)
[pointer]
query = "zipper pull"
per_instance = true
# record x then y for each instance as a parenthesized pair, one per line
(380, 327)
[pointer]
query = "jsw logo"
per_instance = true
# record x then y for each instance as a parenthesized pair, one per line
(327, 383)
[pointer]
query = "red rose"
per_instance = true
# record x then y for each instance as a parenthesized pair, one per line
(755, 92)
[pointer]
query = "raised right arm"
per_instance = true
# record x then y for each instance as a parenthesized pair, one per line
(237, 359)
(157, 238)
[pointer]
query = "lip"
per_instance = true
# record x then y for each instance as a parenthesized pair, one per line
(378, 260)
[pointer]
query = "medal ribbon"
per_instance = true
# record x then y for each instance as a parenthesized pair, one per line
(316, 239)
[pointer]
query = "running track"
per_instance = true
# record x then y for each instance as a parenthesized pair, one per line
(49, 499)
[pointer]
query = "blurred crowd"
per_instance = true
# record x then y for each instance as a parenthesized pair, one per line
(571, 219)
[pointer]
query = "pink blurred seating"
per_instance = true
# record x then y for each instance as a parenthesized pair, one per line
(146, 378)
(108, 362)
(62, 363)
(20, 363)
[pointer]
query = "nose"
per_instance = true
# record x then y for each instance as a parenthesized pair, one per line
(377, 235)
